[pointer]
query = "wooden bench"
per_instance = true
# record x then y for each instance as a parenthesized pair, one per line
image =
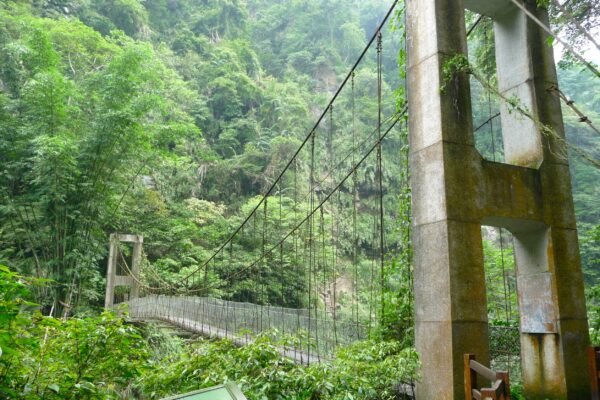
(500, 389)
(594, 357)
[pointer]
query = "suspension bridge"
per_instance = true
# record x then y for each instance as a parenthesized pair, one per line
(315, 261)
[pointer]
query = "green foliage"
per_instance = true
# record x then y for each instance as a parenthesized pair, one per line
(106, 358)
(46, 358)
(14, 325)
(586, 194)
(516, 391)
(593, 297)
(95, 357)
(594, 314)
(458, 64)
(571, 19)
(93, 114)
(500, 279)
(364, 371)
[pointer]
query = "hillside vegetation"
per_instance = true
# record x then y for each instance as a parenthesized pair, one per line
(169, 119)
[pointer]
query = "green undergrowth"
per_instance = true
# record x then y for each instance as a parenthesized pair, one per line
(98, 357)
(106, 357)
(366, 370)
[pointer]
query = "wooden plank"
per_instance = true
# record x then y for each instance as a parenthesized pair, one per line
(500, 389)
(488, 394)
(594, 372)
(470, 376)
(503, 376)
(483, 371)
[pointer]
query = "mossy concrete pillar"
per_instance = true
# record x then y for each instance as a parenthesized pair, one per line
(554, 329)
(127, 277)
(455, 191)
(450, 298)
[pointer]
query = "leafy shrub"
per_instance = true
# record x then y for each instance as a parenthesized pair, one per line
(47, 358)
(366, 370)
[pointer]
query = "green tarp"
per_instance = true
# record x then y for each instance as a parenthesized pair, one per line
(229, 391)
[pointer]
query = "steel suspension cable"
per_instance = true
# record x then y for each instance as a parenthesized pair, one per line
(380, 175)
(354, 206)
(507, 305)
(310, 234)
(327, 287)
(297, 264)
(263, 270)
(372, 277)
(571, 104)
(475, 25)
(323, 268)
(334, 238)
(305, 267)
(255, 233)
(281, 267)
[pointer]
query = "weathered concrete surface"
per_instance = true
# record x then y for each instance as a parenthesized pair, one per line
(490, 8)
(455, 191)
(451, 312)
(112, 279)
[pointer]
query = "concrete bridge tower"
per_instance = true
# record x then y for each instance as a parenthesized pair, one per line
(128, 278)
(456, 191)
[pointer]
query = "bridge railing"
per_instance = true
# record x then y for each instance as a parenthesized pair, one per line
(320, 335)
(594, 357)
(500, 387)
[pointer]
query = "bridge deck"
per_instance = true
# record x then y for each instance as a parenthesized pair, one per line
(298, 356)
(318, 337)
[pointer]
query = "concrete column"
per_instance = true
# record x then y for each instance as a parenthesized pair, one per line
(522, 144)
(450, 298)
(136, 259)
(455, 191)
(112, 279)
(111, 272)
(554, 331)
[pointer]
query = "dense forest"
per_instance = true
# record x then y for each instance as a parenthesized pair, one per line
(169, 119)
